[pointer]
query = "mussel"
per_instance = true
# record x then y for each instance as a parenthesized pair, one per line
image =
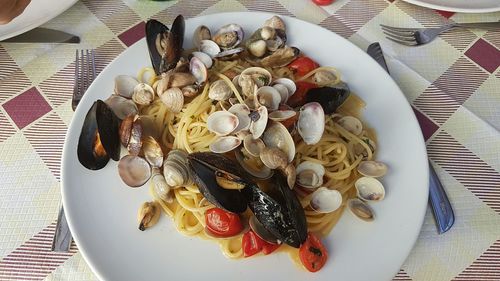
(99, 139)
(330, 98)
(165, 46)
(279, 210)
(206, 168)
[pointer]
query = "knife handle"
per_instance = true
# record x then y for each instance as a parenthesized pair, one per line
(441, 206)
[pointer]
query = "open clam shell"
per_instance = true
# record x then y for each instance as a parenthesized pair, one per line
(201, 33)
(325, 200)
(277, 135)
(351, 124)
(269, 97)
(121, 106)
(253, 165)
(206, 59)
(259, 75)
(258, 126)
(225, 144)
(152, 151)
(143, 94)
(360, 209)
(283, 91)
(220, 90)
(198, 69)
(273, 158)
(229, 36)
(253, 146)
(282, 115)
(310, 174)
(134, 170)
(242, 112)
(222, 123)
(311, 123)
(209, 47)
(369, 189)
(372, 169)
(124, 85)
(288, 83)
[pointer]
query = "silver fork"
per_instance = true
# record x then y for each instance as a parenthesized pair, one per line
(420, 36)
(84, 75)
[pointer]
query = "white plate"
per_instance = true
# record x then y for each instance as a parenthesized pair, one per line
(460, 6)
(101, 210)
(37, 13)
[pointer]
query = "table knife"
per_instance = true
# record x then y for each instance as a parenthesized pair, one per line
(440, 204)
(44, 35)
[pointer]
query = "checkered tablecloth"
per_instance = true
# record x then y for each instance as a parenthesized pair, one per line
(453, 85)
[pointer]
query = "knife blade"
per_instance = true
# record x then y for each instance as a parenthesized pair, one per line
(440, 204)
(44, 35)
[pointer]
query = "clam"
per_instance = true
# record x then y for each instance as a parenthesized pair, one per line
(121, 106)
(252, 165)
(190, 91)
(143, 94)
(325, 200)
(269, 97)
(134, 170)
(288, 83)
(242, 112)
(276, 23)
(198, 70)
(220, 90)
(253, 146)
(276, 135)
(152, 151)
(248, 86)
(125, 85)
(183, 79)
(259, 122)
(228, 36)
(259, 75)
(173, 99)
(209, 47)
(175, 168)
(201, 33)
(206, 59)
(361, 150)
(311, 123)
(258, 48)
(324, 77)
(282, 115)
(131, 134)
(160, 186)
(310, 174)
(360, 209)
(222, 123)
(229, 54)
(373, 169)
(351, 124)
(369, 189)
(225, 144)
(280, 57)
(283, 91)
(273, 158)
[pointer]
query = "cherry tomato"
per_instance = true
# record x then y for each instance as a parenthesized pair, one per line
(251, 244)
(312, 253)
(322, 2)
(223, 223)
(299, 97)
(268, 248)
(302, 65)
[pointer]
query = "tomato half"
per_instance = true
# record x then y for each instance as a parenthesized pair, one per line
(312, 253)
(268, 248)
(223, 223)
(299, 97)
(302, 65)
(322, 2)
(251, 244)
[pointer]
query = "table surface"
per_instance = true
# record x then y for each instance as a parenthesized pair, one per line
(453, 85)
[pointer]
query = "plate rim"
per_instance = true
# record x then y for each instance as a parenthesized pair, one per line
(39, 22)
(452, 9)
(421, 215)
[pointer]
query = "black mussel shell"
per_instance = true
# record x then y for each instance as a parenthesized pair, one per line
(86, 143)
(174, 38)
(330, 98)
(279, 211)
(108, 125)
(203, 166)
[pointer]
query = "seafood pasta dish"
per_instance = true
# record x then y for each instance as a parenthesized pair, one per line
(242, 140)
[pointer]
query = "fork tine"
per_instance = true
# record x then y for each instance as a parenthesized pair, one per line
(407, 43)
(400, 37)
(93, 63)
(398, 32)
(398, 28)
